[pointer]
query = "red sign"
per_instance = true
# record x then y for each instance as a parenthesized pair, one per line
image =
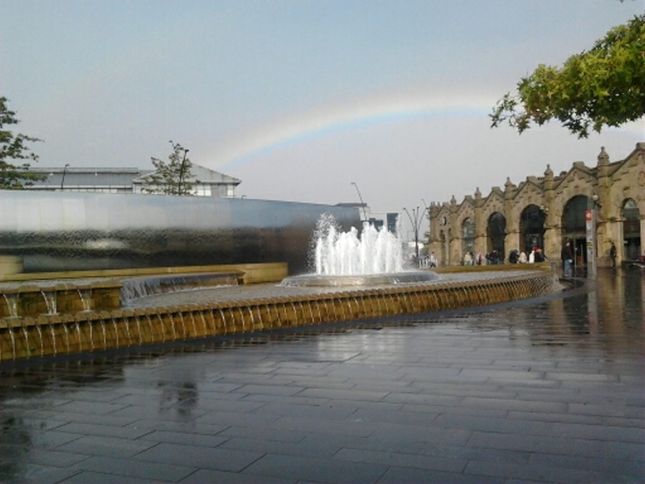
(588, 215)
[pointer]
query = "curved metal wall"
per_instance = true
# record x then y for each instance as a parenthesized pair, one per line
(55, 231)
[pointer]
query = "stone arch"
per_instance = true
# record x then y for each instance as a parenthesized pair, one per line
(574, 226)
(532, 219)
(631, 230)
(496, 234)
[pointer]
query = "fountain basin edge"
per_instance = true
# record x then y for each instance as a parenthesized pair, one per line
(24, 338)
(359, 280)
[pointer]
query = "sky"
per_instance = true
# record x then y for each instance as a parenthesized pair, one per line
(300, 98)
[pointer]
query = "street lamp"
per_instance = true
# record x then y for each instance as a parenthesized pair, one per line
(416, 222)
(360, 197)
(427, 213)
(62, 180)
(591, 220)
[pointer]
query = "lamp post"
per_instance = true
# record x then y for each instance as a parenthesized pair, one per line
(544, 212)
(62, 180)
(427, 214)
(591, 220)
(415, 221)
(360, 197)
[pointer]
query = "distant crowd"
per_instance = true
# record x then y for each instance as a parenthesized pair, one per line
(494, 257)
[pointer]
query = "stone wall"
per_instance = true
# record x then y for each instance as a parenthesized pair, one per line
(608, 185)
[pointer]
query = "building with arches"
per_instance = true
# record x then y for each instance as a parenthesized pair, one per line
(548, 210)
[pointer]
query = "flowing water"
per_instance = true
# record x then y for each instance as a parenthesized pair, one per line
(50, 301)
(338, 253)
(86, 298)
(11, 300)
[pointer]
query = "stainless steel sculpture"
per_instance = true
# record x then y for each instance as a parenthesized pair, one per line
(53, 231)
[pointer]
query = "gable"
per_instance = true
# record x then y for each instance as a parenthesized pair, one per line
(577, 177)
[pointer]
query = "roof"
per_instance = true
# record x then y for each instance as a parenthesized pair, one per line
(200, 174)
(87, 176)
(120, 176)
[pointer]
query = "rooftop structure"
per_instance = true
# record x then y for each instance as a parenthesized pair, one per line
(206, 182)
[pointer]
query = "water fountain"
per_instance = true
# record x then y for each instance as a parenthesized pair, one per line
(373, 257)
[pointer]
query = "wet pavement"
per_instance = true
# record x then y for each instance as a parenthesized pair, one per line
(547, 390)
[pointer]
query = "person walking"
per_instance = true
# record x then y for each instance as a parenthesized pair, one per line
(612, 254)
(567, 260)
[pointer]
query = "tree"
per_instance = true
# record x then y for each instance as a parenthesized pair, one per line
(13, 147)
(172, 177)
(602, 87)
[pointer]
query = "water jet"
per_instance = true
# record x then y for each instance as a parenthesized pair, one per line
(372, 258)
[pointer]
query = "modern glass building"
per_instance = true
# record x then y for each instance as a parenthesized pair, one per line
(206, 182)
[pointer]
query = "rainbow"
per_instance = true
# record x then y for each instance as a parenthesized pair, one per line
(338, 119)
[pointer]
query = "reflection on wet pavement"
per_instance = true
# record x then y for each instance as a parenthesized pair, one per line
(549, 389)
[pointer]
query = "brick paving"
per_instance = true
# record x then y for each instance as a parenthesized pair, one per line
(546, 390)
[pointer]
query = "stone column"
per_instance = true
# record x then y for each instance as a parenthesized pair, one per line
(552, 231)
(512, 238)
(480, 224)
(607, 216)
(642, 210)
(454, 235)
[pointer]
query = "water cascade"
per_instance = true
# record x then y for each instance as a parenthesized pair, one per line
(50, 301)
(11, 301)
(86, 297)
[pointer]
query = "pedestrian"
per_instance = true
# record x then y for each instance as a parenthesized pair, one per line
(513, 257)
(612, 254)
(539, 255)
(468, 260)
(433, 260)
(567, 260)
(523, 259)
(532, 256)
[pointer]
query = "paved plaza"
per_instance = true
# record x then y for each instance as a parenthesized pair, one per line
(546, 390)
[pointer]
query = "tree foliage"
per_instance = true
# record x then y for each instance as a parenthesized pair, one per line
(14, 170)
(602, 87)
(172, 177)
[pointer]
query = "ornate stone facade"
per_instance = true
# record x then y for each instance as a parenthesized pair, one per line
(545, 211)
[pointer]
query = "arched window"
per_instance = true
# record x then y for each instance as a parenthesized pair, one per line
(631, 230)
(467, 236)
(496, 231)
(574, 227)
(531, 228)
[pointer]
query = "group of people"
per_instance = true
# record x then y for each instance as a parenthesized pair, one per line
(535, 255)
(429, 261)
(471, 259)
(495, 257)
